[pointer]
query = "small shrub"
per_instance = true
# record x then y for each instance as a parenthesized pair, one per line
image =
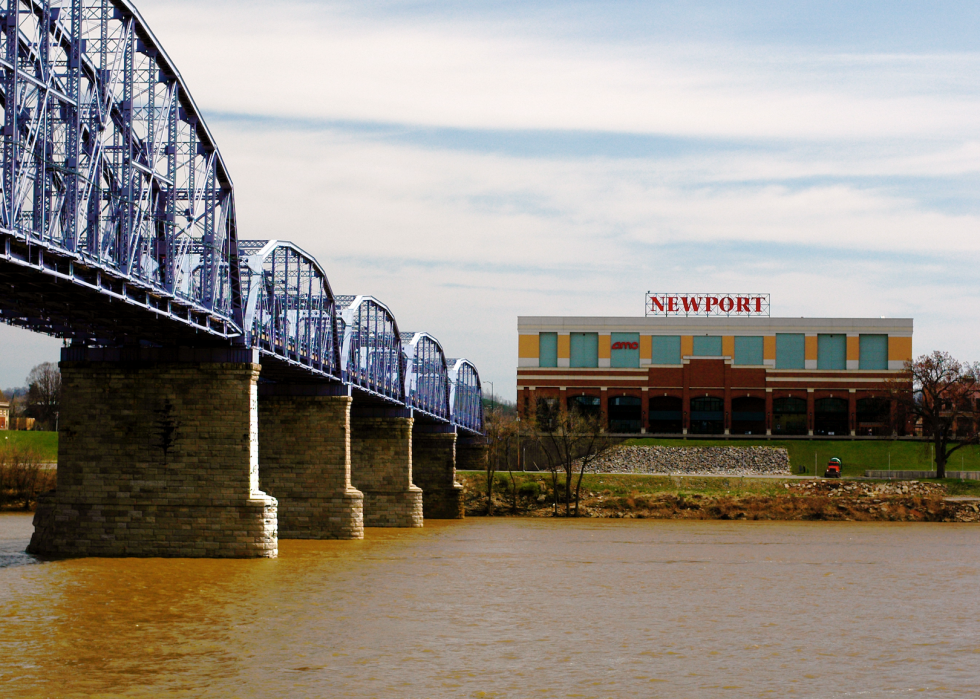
(22, 478)
(529, 490)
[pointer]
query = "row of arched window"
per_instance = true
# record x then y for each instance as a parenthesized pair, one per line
(665, 415)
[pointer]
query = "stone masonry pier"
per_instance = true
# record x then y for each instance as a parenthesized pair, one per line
(381, 466)
(305, 458)
(157, 456)
(434, 471)
(471, 454)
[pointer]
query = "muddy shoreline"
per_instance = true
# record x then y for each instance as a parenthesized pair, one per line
(799, 500)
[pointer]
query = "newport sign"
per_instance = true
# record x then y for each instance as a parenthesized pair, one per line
(709, 304)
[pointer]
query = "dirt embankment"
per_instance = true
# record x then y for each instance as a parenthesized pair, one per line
(906, 501)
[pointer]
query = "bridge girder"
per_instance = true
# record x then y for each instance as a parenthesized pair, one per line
(118, 223)
(108, 167)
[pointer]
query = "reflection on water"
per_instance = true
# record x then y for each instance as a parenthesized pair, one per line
(15, 532)
(512, 608)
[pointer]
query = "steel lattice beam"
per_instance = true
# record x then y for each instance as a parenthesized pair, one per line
(117, 222)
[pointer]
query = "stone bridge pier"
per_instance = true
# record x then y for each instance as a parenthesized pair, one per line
(157, 456)
(471, 454)
(434, 471)
(381, 466)
(305, 457)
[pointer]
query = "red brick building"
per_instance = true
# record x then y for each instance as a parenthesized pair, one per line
(719, 376)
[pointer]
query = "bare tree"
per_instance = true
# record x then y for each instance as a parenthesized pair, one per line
(44, 394)
(501, 430)
(944, 396)
(571, 442)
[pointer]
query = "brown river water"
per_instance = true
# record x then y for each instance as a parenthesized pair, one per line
(510, 608)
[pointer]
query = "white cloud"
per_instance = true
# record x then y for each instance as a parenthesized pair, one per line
(789, 188)
(328, 62)
(460, 243)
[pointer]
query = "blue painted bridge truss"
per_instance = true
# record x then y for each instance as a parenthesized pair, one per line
(118, 226)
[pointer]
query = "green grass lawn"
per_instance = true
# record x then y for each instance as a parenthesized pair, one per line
(626, 484)
(44, 443)
(858, 456)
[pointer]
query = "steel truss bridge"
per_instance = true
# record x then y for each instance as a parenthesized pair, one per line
(118, 227)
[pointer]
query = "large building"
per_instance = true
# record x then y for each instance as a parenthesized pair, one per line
(719, 375)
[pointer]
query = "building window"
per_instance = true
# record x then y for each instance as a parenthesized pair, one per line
(873, 417)
(830, 417)
(625, 414)
(873, 352)
(584, 350)
(707, 346)
(666, 349)
(790, 351)
(789, 416)
(548, 349)
(586, 406)
(748, 351)
(625, 350)
(666, 415)
(832, 352)
(707, 415)
(748, 415)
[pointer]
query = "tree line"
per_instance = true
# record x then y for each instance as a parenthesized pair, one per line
(40, 398)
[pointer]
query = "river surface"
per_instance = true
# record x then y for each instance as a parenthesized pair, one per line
(510, 608)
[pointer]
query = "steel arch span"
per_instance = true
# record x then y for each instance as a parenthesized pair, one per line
(111, 180)
(370, 347)
(466, 395)
(118, 226)
(289, 306)
(426, 375)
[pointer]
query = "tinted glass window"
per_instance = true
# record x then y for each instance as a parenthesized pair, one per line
(584, 350)
(789, 351)
(666, 349)
(748, 351)
(548, 349)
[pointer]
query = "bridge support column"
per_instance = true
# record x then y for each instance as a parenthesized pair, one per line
(157, 456)
(471, 454)
(304, 451)
(434, 471)
(381, 467)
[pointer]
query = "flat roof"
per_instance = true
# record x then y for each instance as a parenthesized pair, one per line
(694, 325)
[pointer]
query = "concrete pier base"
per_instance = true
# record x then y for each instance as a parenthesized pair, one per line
(381, 467)
(471, 454)
(157, 456)
(304, 452)
(434, 471)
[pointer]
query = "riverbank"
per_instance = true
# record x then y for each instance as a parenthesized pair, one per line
(626, 496)
(858, 455)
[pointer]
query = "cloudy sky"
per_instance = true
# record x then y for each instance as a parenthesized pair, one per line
(469, 162)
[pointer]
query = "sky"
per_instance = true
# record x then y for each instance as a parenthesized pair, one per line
(470, 162)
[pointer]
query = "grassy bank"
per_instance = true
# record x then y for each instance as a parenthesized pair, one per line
(699, 497)
(858, 456)
(44, 443)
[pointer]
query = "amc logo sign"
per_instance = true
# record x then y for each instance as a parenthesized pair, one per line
(626, 345)
(707, 304)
